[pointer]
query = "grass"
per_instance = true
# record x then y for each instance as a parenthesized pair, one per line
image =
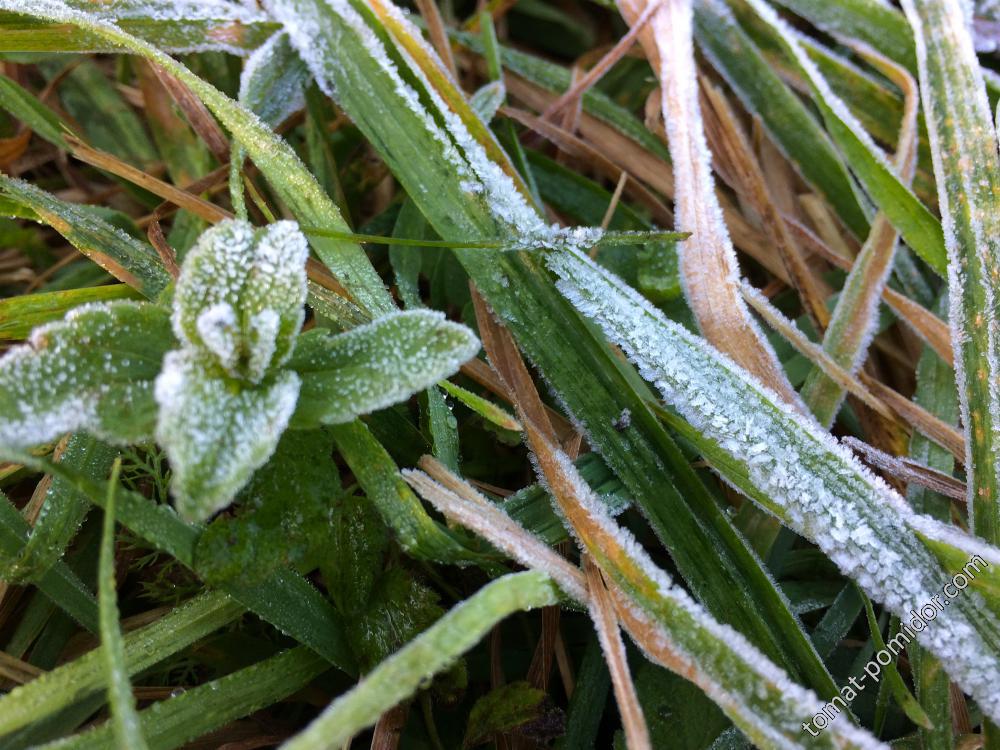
(514, 375)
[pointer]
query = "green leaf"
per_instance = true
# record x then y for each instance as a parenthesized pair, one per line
(94, 370)
(354, 558)
(216, 431)
(399, 608)
(123, 715)
(241, 294)
(284, 517)
(375, 365)
(516, 708)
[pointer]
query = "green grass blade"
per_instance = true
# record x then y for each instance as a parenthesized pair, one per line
(184, 28)
(20, 314)
(143, 648)
(124, 720)
(63, 510)
(275, 158)
(286, 600)
(181, 719)
(418, 533)
(402, 674)
(60, 584)
(25, 106)
(967, 168)
(121, 255)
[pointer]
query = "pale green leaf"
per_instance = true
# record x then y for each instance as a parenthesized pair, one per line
(241, 295)
(93, 370)
(376, 365)
(216, 431)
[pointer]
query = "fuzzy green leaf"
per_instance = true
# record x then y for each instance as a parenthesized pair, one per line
(93, 370)
(240, 296)
(376, 365)
(216, 431)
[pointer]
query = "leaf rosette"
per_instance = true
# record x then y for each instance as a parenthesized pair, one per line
(220, 379)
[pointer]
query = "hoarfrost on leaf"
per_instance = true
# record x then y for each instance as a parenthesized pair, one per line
(240, 296)
(215, 431)
(376, 365)
(92, 370)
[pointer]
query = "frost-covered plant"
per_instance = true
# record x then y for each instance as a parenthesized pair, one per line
(218, 379)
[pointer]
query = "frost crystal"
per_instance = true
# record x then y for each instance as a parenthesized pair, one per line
(814, 484)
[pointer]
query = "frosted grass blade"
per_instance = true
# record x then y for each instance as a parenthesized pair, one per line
(791, 126)
(143, 648)
(593, 383)
(967, 169)
(183, 718)
(178, 27)
(120, 254)
(921, 231)
(795, 470)
(275, 158)
(709, 269)
(855, 316)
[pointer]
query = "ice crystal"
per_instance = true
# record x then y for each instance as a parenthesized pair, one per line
(817, 486)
